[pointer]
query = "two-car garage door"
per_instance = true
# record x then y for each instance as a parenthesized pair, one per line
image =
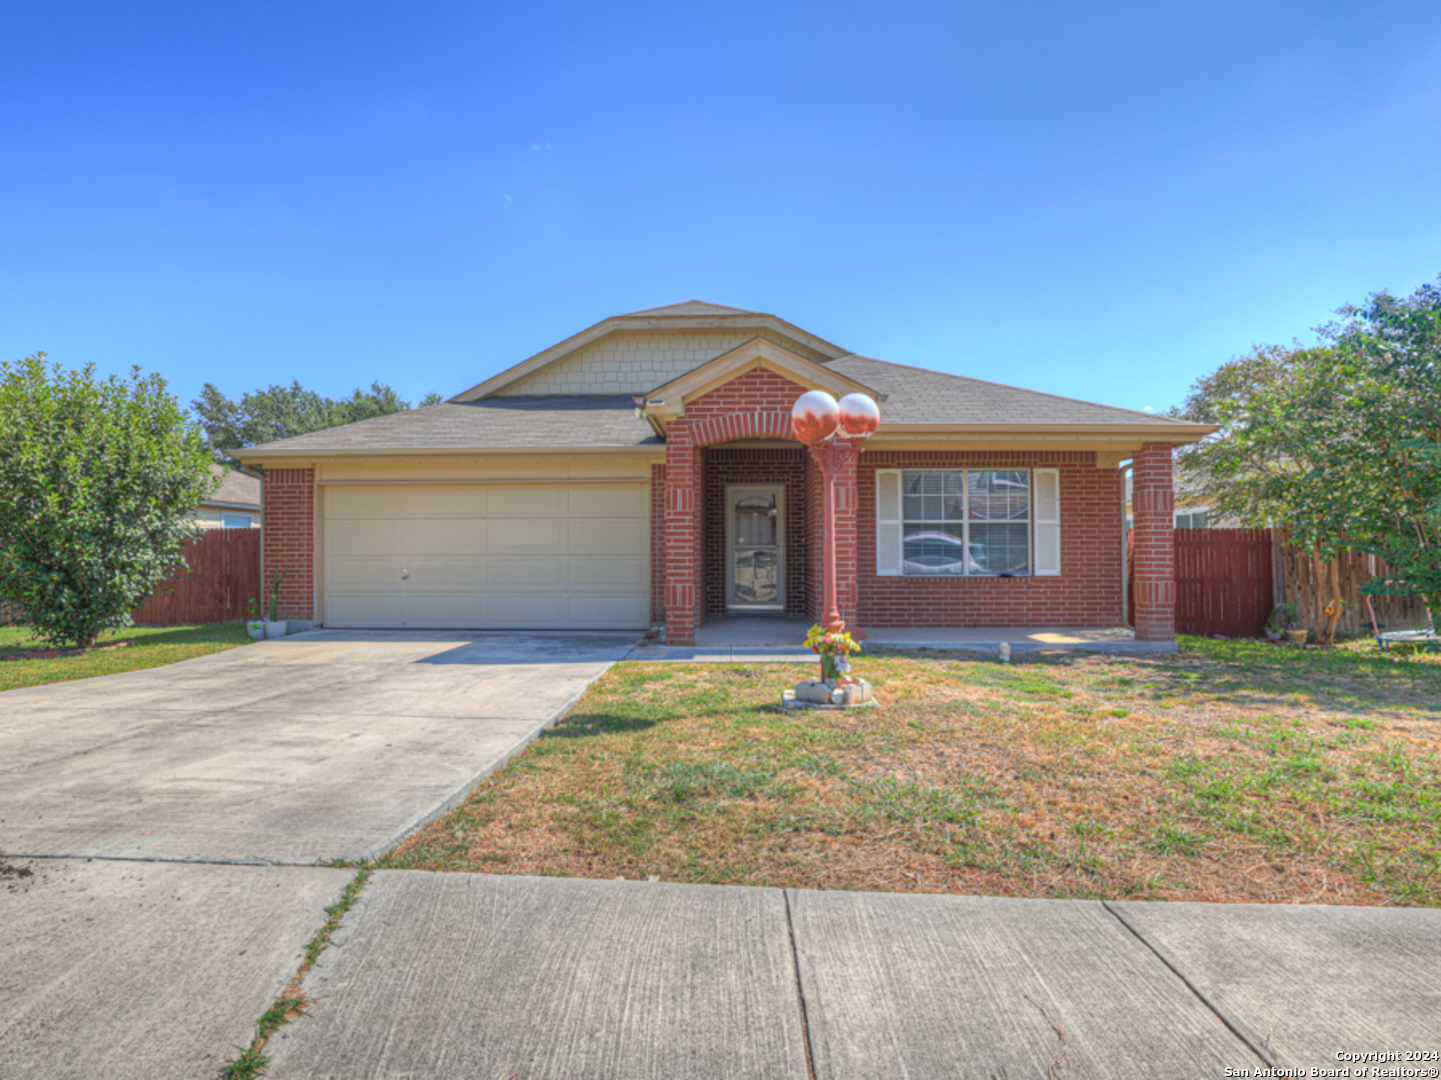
(487, 556)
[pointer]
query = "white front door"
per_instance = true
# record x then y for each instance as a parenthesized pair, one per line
(755, 547)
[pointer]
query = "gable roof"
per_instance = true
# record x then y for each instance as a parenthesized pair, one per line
(670, 399)
(920, 396)
(690, 307)
(540, 422)
(691, 315)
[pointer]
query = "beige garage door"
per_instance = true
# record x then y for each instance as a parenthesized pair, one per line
(502, 557)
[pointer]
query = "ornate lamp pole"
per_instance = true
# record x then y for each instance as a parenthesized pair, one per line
(834, 431)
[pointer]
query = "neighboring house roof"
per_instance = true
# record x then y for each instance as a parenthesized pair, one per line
(236, 490)
(919, 396)
(553, 420)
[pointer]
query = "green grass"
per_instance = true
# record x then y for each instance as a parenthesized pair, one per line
(152, 646)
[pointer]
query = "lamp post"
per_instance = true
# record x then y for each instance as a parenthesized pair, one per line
(834, 432)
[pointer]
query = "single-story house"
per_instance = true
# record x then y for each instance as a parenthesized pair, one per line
(643, 472)
(235, 504)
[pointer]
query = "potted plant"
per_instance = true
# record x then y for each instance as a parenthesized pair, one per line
(255, 625)
(275, 628)
(1283, 617)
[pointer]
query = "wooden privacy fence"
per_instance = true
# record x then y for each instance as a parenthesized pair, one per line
(224, 574)
(1223, 581)
(1228, 580)
(1310, 591)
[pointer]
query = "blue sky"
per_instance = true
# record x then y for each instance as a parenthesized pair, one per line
(1105, 200)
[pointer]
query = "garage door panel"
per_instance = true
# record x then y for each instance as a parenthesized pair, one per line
(606, 573)
(364, 573)
(443, 536)
(445, 611)
(536, 611)
(609, 500)
(552, 556)
(368, 608)
(600, 611)
(533, 537)
(607, 536)
(355, 502)
(519, 501)
(451, 573)
(512, 575)
(364, 536)
(444, 502)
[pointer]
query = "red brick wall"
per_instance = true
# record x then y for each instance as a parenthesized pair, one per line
(755, 404)
(657, 543)
(288, 541)
(779, 466)
(1087, 592)
(1152, 512)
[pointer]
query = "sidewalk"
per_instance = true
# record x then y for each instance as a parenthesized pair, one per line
(438, 975)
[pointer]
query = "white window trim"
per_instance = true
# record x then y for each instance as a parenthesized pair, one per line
(1040, 521)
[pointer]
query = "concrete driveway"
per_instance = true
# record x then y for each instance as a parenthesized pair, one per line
(326, 745)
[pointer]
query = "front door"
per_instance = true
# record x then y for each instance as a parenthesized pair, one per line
(755, 547)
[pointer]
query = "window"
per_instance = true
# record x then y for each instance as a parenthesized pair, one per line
(1191, 519)
(965, 521)
(968, 522)
(231, 521)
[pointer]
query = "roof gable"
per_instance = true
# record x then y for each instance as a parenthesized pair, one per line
(710, 321)
(668, 401)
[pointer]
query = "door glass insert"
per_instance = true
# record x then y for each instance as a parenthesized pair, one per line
(756, 555)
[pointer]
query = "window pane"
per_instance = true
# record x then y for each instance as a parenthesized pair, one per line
(932, 494)
(755, 521)
(1000, 496)
(934, 549)
(999, 549)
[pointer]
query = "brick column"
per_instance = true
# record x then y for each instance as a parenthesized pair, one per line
(682, 475)
(288, 541)
(1152, 509)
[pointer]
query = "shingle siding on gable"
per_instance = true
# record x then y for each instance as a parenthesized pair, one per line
(637, 361)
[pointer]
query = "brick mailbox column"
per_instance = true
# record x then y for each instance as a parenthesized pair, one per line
(1152, 510)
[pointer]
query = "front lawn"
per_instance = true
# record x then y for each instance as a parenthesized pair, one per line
(1227, 771)
(152, 646)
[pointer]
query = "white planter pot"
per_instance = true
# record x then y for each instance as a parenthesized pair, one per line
(256, 629)
(1275, 635)
(274, 629)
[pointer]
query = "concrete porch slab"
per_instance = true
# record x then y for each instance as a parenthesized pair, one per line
(1021, 639)
(437, 975)
(146, 971)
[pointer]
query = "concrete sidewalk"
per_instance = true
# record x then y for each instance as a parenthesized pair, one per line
(443, 975)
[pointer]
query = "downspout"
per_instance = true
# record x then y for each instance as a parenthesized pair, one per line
(1126, 467)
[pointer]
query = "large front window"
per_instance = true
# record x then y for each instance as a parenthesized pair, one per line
(966, 521)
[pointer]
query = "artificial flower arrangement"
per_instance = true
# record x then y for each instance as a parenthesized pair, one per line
(833, 647)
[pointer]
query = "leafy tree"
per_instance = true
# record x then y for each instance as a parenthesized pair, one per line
(1341, 442)
(281, 412)
(98, 480)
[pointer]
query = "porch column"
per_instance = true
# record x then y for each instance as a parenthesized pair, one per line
(682, 479)
(1152, 509)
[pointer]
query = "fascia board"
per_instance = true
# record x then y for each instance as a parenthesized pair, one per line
(304, 459)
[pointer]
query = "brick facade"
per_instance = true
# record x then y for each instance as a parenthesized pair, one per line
(756, 404)
(1153, 503)
(289, 540)
(1087, 593)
